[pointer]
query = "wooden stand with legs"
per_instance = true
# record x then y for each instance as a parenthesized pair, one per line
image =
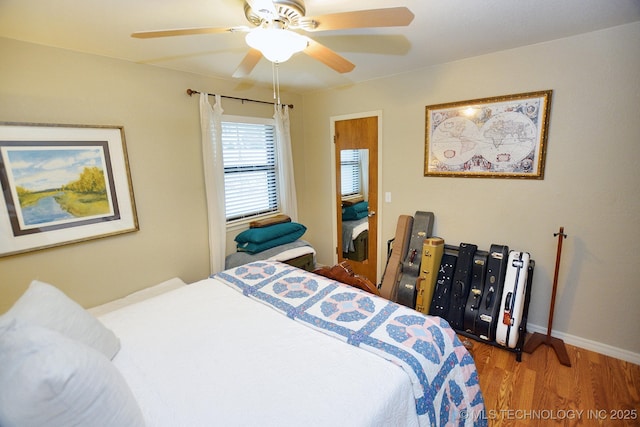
(537, 338)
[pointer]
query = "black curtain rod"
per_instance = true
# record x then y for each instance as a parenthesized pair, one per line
(191, 92)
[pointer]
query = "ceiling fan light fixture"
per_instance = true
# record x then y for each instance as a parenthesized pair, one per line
(276, 44)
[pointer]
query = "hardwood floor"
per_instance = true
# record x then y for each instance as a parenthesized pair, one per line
(596, 390)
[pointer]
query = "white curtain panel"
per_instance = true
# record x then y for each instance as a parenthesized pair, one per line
(364, 173)
(211, 128)
(288, 200)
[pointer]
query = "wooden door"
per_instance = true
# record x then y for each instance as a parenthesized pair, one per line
(359, 134)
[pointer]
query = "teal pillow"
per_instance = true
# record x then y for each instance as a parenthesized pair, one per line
(254, 248)
(272, 232)
(357, 211)
(361, 207)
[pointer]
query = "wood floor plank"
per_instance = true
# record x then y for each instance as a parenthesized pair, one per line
(582, 368)
(526, 387)
(596, 390)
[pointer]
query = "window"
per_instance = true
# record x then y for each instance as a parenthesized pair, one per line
(250, 167)
(350, 172)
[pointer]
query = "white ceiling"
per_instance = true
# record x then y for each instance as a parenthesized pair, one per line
(442, 31)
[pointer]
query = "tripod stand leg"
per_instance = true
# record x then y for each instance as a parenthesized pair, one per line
(560, 349)
(534, 342)
(556, 343)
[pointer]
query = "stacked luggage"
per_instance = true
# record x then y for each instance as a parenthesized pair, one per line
(482, 294)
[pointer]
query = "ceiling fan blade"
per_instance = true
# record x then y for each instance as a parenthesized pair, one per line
(328, 57)
(388, 17)
(248, 63)
(185, 32)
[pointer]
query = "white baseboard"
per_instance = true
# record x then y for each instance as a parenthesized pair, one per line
(605, 349)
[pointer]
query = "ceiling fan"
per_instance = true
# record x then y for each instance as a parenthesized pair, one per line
(272, 34)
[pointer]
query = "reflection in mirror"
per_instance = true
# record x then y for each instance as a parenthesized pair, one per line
(354, 183)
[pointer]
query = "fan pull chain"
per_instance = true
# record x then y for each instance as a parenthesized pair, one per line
(273, 79)
(276, 82)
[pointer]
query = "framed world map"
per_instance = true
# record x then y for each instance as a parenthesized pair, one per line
(499, 137)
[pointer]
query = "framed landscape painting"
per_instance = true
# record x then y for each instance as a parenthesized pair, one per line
(499, 137)
(62, 184)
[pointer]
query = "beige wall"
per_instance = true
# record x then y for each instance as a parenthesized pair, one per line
(590, 185)
(162, 131)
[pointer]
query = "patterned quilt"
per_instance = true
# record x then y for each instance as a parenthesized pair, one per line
(442, 372)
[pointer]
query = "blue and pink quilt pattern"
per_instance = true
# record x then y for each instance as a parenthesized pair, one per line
(442, 372)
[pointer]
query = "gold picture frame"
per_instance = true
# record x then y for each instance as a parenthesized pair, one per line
(62, 184)
(498, 137)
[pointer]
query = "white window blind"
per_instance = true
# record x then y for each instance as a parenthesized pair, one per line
(250, 174)
(350, 176)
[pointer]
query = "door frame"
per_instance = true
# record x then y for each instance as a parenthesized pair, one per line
(334, 208)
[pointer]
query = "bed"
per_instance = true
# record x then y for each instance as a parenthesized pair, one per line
(355, 228)
(298, 253)
(274, 238)
(269, 344)
(355, 239)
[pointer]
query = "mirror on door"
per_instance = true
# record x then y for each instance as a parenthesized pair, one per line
(356, 194)
(354, 204)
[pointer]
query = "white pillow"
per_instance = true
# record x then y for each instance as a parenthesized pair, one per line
(45, 305)
(47, 379)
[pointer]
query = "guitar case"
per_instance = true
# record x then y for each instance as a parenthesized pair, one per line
(478, 274)
(461, 285)
(407, 283)
(487, 317)
(432, 250)
(442, 293)
(388, 288)
(513, 297)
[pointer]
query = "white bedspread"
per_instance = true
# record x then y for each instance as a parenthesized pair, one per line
(204, 355)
